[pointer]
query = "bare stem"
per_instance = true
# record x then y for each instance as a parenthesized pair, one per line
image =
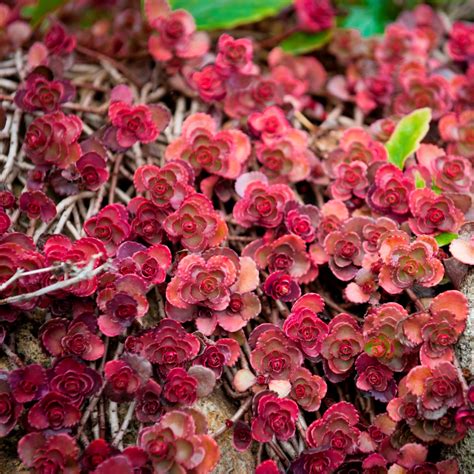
(20, 273)
(12, 152)
(86, 273)
(237, 415)
(113, 419)
(126, 421)
(12, 356)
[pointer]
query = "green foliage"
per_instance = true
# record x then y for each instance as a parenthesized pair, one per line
(420, 183)
(301, 43)
(38, 12)
(407, 136)
(445, 238)
(220, 14)
(370, 17)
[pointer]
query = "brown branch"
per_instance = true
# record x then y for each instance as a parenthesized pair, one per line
(14, 359)
(98, 56)
(86, 273)
(123, 428)
(236, 417)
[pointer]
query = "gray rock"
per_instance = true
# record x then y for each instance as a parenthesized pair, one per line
(217, 409)
(464, 451)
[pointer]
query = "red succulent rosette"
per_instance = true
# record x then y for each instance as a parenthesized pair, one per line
(375, 378)
(269, 125)
(58, 40)
(167, 186)
(356, 146)
(35, 204)
(287, 158)
(163, 443)
(54, 411)
(133, 123)
(274, 417)
(110, 226)
(302, 220)
(151, 264)
(437, 389)
(405, 263)
(456, 129)
(281, 286)
(336, 429)
(323, 461)
(28, 383)
(205, 148)
(175, 33)
(235, 56)
(74, 380)
(381, 339)
(314, 16)
(77, 337)
(147, 220)
(51, 140)
(40, 452)
(460, 44)
(168, 345)
(261, 204)
(125, 376)
(96, 453)
(419, 91)
(42, 92)
(180, 387)
(389, 193)
(209, 83)
(196, 224)
(274, 355)
(10, 408)
(122, 302)
(341, 347)
(307, 390)
(149, 407)
(433, 214)
(287, 254)
(304, 327)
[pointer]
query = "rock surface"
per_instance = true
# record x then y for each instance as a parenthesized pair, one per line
(464, 451)
(218, 409)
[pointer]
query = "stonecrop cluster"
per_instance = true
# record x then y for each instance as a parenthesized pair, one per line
(294, 243)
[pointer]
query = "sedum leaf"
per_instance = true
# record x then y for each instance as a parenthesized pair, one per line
(41, 9)
(217, 14)
(445, 238)
(301, 43)
(407, 136)
(420, 183)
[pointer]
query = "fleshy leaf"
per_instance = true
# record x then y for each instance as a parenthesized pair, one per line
(407, 136)
(42, 9)
(445, 238)
(244, 379)
(225, 14)
(371, 18)
(206, 379)
(420, 183)
(302, 43)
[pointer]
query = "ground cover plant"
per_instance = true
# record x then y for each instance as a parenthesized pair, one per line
(277, 214)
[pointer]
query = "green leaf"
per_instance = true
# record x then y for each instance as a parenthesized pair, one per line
(301, 43)
(363, 19)
(445, 238)
(420, 183)
(43, 8)
(407, 136)
(371, 17)
(224, 14)
(436, 189)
